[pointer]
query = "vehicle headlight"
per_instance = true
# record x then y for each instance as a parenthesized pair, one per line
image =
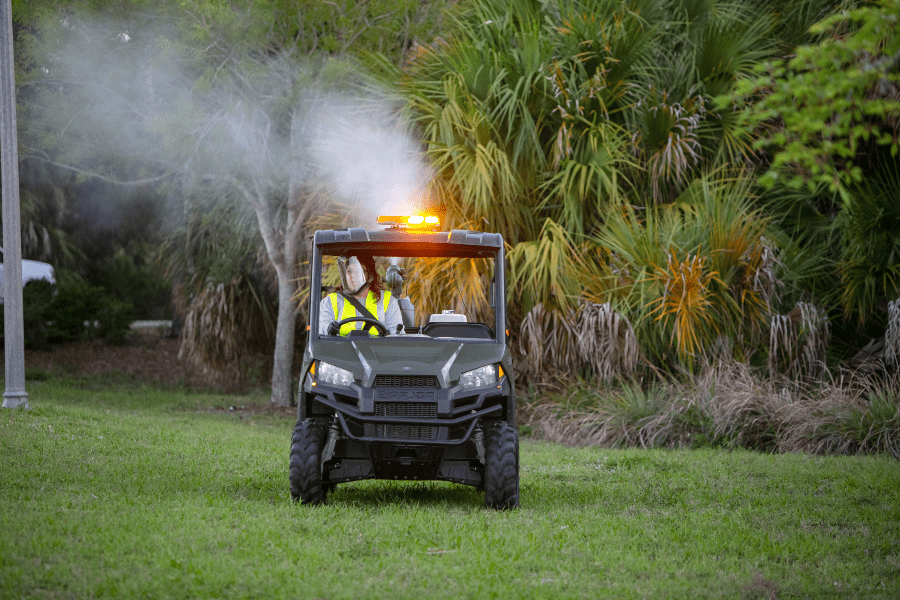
(486, 375)
(328, 373)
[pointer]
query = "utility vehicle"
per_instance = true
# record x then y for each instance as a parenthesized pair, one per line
(433, 402)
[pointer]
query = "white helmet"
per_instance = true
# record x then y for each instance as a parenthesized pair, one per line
(353, 277)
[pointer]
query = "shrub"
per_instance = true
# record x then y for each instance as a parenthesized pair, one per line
(72, 310)
(37, 297)
(137, 281)
(72, 314)
(114, 319)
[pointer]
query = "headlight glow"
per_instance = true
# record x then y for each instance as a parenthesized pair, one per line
(328, 373)
(482, 376)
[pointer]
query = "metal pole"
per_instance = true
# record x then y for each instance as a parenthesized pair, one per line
(15, 395)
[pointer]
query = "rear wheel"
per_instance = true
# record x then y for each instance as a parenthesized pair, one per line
(501, 466)
(306, 462)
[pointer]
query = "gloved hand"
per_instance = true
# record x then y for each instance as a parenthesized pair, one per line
(333, 329)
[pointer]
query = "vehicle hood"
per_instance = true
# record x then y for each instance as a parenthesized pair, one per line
(408, 355)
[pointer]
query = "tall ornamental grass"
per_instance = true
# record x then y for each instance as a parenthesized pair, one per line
(727, 405)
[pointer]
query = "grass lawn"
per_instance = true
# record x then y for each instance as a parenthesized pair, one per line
(112, 489)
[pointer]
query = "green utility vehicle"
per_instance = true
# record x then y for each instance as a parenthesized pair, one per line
(433, 400)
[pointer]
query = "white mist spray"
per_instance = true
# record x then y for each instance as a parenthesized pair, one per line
(137, 99)
(373, 163)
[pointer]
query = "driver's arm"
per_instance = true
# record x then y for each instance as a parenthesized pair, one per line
(326, 315)
(393, 317)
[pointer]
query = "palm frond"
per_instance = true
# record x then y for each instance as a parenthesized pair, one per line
(540, 272)
(797, 341)
(606, 341)
(686, 302)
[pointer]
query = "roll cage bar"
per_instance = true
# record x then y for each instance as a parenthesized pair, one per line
(453, 244)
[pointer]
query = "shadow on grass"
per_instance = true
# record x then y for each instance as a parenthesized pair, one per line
(377, 493)
(366, 494)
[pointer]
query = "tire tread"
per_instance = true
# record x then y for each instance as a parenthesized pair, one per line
(501, 469)
(305, 463)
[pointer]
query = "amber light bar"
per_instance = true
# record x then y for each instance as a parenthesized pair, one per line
(413, 221)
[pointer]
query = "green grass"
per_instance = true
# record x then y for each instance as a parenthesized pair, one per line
(112, 489)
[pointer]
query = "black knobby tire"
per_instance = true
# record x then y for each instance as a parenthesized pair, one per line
(306, 462)
(501, 466)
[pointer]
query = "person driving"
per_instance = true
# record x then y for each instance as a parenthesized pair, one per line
(359, 281)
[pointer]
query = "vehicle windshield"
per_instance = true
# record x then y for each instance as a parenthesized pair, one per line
(440, 289)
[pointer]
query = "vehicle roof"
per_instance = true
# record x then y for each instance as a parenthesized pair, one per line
(396, 242)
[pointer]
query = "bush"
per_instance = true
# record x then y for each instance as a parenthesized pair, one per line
(137, 281)
(37, 297)
(114, 319)
(71, 311)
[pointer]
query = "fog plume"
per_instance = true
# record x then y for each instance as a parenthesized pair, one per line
(126, 101)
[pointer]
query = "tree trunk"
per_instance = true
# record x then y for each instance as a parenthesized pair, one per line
(282, 251)
(282, 367)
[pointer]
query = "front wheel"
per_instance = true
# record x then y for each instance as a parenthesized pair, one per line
(501, 466)
(306, 462)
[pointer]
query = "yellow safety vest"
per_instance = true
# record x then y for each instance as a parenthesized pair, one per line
(350, 311)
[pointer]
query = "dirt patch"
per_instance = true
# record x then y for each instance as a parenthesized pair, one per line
(149, 356)
(146, 355)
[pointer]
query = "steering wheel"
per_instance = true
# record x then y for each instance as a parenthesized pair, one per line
(382, 329)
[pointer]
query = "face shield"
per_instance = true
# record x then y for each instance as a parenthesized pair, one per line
(353, 277)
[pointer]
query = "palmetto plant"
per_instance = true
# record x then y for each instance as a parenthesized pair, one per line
(562, 124)
(223, 290)
(667, 139)
(685, 306)
(606, 341)
(591, 339)
(542, 271)
(548, 345)
(870, 229)
(224, 324)
(692, 271)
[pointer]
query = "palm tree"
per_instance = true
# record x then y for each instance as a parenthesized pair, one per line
(545, 120)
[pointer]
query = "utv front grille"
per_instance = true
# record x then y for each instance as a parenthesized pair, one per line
(406, 381)
(406, 409)
(408, 432)
(392, 452)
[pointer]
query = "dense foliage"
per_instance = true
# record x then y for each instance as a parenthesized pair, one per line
(216, 108)
(829, 119)
(678, 180)
(612, 143)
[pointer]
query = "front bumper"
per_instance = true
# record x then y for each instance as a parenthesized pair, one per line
(431, 416)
